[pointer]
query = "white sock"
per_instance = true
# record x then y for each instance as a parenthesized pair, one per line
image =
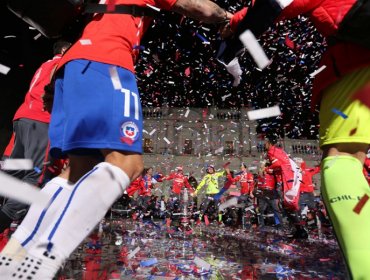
(37, 219)
(87, 204)
(33, 225)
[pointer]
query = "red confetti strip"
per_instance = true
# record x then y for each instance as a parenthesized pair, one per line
(361, 204)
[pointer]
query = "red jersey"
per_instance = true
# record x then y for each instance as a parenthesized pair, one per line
(147, 185)
(136, 185)
(290, 174)
(266, 182)
(32, 107)
(111, 38)
(246, 181)
(307, 174)
(179, 181)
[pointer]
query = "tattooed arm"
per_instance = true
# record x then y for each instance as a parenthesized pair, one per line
(203, 10)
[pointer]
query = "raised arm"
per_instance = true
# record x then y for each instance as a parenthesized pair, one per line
(203, 10)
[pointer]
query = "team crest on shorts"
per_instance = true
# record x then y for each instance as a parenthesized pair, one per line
(129, 132)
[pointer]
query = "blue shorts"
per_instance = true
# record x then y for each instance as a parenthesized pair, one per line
(96, 106)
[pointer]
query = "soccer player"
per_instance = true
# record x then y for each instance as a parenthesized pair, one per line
(97, 115)
(342, 91)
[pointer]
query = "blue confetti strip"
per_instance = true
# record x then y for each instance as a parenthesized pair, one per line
(340, 113)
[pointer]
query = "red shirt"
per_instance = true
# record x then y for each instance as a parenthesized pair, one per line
(246, 181)
(32, 107)
(266, 182)
(307, 174)
(179, 181)
(136, 185)
(110, 38)
(147, 185)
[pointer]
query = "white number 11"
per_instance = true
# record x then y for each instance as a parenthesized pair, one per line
(128, 94)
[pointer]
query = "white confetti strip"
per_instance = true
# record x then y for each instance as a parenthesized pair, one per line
(219, 150)
(85, 42)
(187, 113)
(314, 73)
(4, 69)
(202, 263)
(152, 132)
(264, 113)
(115, 77)
(154, 8)
(253, 46)
(167, 141)
(178, 128)
(252, 168)
(17, 164)
(225, 96)
(10, 36)
(133, 253)
(37, 36)
(21, 191)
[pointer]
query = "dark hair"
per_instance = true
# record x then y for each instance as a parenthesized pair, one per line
(60, 45)
(272, 137)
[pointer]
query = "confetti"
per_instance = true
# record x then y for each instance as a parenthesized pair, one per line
(340, 113)
(202, 263)
(166, 140)
(153, 7)
(361, 204)
(21, 191)
(85, 42)
(37, 36)
(314, 73)
(4, 69)
(17, 164)
(152, 132)
(187, 113)
(264, 113)
(254, 48)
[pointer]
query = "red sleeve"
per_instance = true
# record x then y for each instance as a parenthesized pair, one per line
(187, 185)
(237, 17)
(233, 180)
(164, 4)
(169, 177)
(315, 170)
(299, 7)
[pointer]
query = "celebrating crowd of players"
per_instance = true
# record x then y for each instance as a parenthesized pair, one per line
(281, 189)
